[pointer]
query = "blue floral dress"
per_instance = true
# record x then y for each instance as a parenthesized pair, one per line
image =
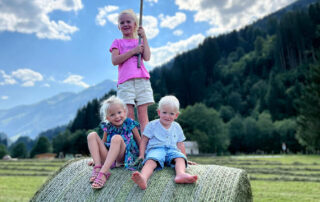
(132, 149)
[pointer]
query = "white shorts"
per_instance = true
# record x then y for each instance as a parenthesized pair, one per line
(136, 92)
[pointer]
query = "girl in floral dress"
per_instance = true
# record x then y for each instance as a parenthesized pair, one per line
(119, 145)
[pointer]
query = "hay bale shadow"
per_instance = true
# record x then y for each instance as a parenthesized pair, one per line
(215, 183)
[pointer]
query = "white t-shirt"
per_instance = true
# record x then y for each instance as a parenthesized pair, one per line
(160, 136)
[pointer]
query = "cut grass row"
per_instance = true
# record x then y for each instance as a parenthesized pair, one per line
(27, 167)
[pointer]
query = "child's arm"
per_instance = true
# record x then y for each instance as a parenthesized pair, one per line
(146, 49)
(136, 136)
(118, 58)
(182, 148)
(142, 147)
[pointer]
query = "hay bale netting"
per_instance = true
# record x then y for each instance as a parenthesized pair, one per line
(215, 183)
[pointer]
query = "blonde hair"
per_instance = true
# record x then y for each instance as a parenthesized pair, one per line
(135, 18)
(105, 105)
(169, 100)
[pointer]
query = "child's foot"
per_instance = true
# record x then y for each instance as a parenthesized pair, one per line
(100, 180)
(185, 178)
(139, 180)
(95, 172)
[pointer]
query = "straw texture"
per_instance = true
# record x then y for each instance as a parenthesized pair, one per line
(215, 183)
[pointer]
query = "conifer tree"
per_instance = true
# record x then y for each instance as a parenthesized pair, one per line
(43, 145)
(309, 117)
(19, 150)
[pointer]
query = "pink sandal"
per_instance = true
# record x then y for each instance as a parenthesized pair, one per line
(95, 173)
(99, 182)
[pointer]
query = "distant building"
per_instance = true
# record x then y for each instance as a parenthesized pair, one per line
(46, 156)
(9, 158)
(69, 156)
(192, 147)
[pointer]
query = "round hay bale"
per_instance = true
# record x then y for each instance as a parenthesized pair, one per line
(215, 183)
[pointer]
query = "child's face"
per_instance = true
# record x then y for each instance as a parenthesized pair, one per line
(116, 114)
(167, 115)
(127, 24)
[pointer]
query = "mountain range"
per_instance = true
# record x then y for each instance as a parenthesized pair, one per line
(30, 120)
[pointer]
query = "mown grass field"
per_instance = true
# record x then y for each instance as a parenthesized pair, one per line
(273, 178)
(19, 180)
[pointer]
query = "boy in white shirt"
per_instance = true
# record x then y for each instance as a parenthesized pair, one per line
(164, 138)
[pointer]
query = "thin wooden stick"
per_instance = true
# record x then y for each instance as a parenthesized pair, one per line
(140, 24)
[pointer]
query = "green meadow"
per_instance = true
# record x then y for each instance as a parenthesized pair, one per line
(272, 177)
(19, 180)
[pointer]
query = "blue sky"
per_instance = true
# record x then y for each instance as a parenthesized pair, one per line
(53, 46)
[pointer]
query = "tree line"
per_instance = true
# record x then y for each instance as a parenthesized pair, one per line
(253, 72)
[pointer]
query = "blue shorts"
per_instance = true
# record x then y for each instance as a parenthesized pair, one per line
(164, 156)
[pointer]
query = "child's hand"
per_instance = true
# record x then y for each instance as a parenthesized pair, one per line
(138, 163)
(141, 32)
(192, 163)
(137, 50)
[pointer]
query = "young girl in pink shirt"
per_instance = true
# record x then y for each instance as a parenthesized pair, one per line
(134, 86)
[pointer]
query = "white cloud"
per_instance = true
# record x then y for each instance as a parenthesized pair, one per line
(225, 16)
(32, 17)
(178, 32)
(167, 52)
(103, 14)
(64, 5)
(172, 21)
(4, 97)
(150, 25)
(190, 5)
(6, 79)
(76, 80)
(113, 18)
(28, 77)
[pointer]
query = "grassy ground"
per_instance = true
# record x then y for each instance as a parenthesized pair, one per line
(273, 178)
(276, 178)
(19, 180)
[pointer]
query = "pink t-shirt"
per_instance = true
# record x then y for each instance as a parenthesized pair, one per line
(129, 69)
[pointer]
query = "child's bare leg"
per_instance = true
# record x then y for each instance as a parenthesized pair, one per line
(130, 111)
(181, 176)
(116, 152)
(143, 116)
(97, 149)
(141, 179)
